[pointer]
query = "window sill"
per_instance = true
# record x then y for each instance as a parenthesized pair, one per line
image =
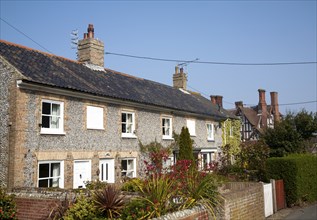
(132, 136)
(167, 138)
(96, 129)
(211, 140)
(53, 132)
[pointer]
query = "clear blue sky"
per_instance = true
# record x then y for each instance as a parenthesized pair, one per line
(219, 31)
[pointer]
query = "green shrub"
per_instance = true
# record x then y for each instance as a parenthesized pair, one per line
(7, 206)
(130, 185)
(136, 209)
(299, 173)
(95, 185)
(83, 209)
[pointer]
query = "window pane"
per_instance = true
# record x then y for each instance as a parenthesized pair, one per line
(54, 122)
(129, 128)
(167, 131)
(55, 169)
(45, 121)
(163, 122)
(55, 109)
(130, 165)
(130, 118)
(54, 182)
(44, 170)
(43, 183)
(124, 128)
(124, 165)
(167, 122)
(46, 108)
(123, 117)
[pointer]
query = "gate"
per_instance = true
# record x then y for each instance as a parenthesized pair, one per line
(268, 199)
(280, 194)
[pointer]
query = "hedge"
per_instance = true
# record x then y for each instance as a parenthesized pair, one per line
(299, 172)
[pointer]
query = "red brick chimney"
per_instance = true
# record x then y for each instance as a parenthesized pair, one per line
(262, 108)
(91, 50)
(213, 99)
(219, 100)
(274, 106)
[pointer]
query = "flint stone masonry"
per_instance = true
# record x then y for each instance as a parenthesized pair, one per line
(78, 142)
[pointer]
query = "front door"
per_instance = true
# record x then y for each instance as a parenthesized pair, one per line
(82, 173)
(106, 167)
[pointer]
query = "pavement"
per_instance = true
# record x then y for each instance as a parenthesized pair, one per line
(308, 212)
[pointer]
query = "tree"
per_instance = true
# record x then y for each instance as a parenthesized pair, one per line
(291, 134)
(306, 124)
(185, 146)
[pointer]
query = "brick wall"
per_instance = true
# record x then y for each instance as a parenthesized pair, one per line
(243, 200)
(34, 208)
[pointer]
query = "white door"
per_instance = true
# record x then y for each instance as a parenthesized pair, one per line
(82, 173)
(106, 167)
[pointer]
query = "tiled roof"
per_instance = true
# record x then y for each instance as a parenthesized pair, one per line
(51, 70)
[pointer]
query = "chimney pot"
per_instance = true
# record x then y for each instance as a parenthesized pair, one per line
(176, 69)
(90, 31)
(181, 70)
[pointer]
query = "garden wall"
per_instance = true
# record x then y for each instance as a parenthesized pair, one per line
(242, 200)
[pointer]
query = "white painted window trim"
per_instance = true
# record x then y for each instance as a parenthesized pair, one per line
(59, 130)
(133, 131)
(134, 166)
(212, 132)
(170, 135)
(191, 125)
(95, 117)
(61, 176)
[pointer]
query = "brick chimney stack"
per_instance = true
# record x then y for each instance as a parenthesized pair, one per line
(213, 99)
(219, 100)
(91, 50)
(179, 78)
(262, 108)
(274, 106)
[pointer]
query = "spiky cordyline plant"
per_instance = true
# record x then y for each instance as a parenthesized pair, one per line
(109, 201)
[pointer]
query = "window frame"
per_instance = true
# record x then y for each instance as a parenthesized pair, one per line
(133, 170)
(92, 109)
(170, 135)
(50, 130)
(132, 133)
(212, 132)
(60, 177)
(191, 125)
